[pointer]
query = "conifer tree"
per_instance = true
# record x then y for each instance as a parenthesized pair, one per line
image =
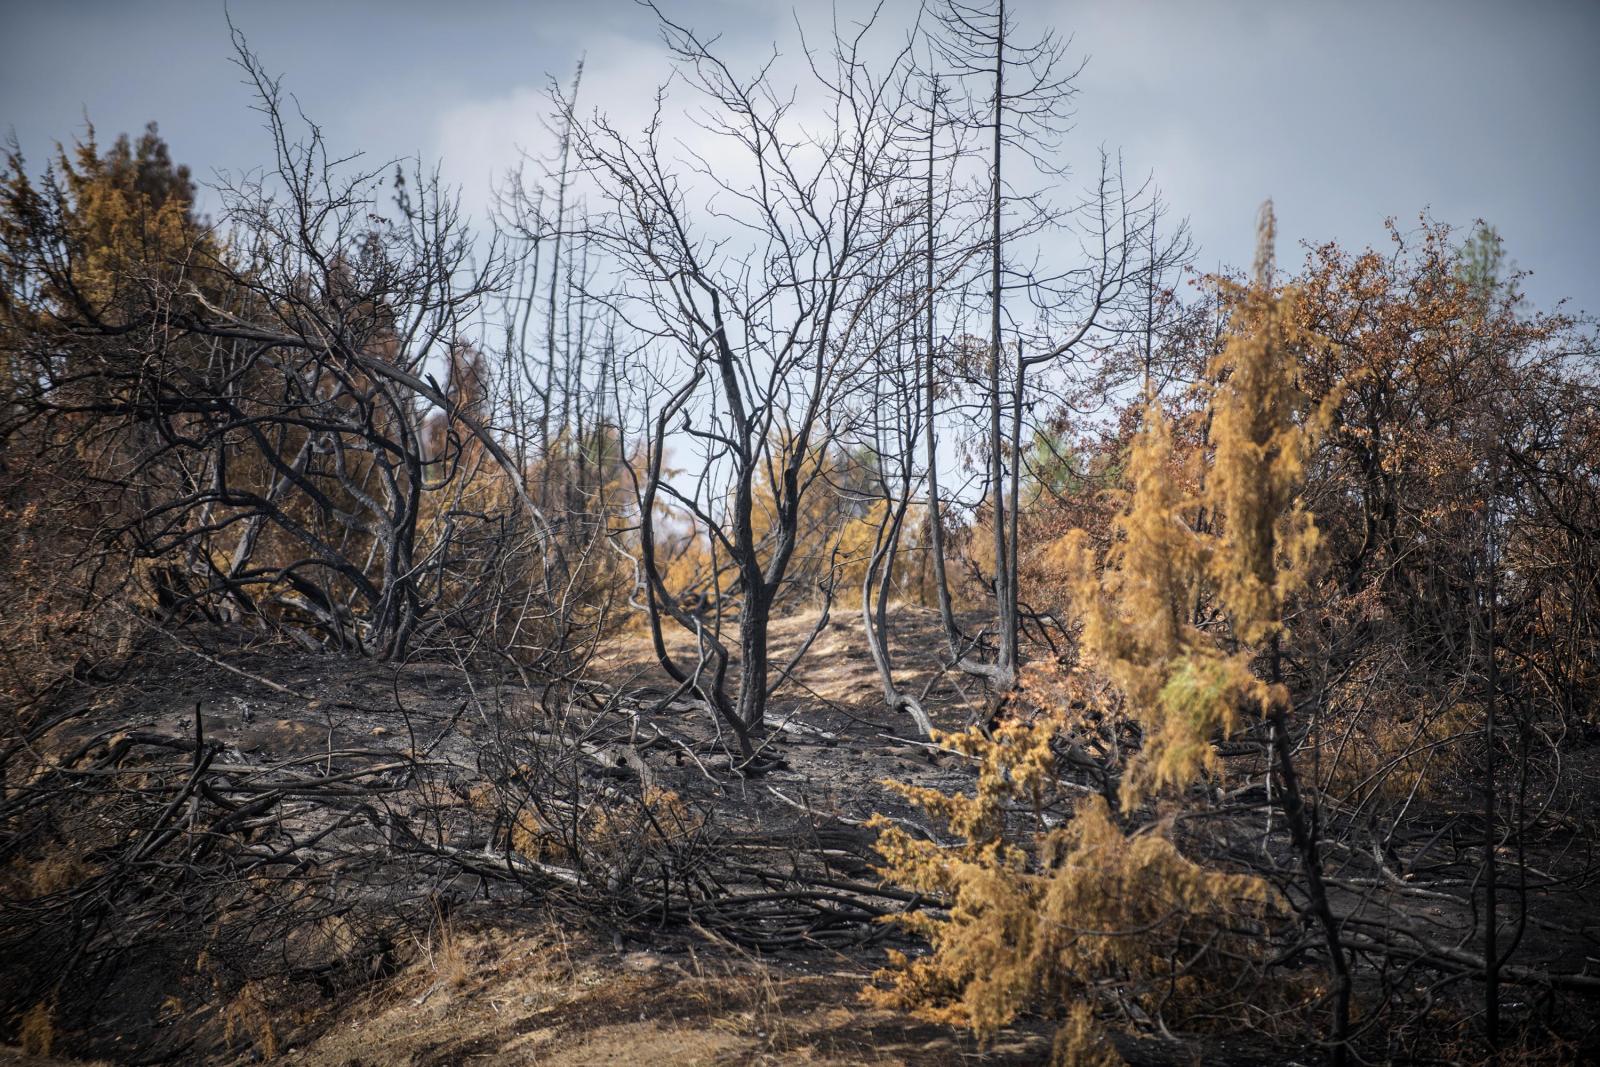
(1018, 929)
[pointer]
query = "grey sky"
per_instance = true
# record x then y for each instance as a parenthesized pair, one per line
(1343, 112)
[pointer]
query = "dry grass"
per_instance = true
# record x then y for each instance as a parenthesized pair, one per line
(248, 1019)
(37, 1030)
(482, 996)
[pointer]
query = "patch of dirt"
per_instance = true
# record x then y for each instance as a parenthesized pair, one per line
(835, 739)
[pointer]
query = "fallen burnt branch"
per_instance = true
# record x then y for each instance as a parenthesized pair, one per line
(609, 800)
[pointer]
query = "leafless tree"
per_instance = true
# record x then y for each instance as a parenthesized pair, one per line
(750, 276)
(1021, 97)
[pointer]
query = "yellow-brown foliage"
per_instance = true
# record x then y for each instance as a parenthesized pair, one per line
(1138, 605)
(131, 230)
(1081, 1043)
(248, 1017)
(1040, 922)
(835, 536)
(1408, 750)
(1264, 428)
(1036, 927)
(617, 833)
(37, 1030)
(1136, 608)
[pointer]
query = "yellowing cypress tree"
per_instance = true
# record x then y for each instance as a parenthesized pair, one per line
(1135, 609)
(1183, 686)
(1264, 428)
(1035, 926)
(132, 221)
(1036, 922)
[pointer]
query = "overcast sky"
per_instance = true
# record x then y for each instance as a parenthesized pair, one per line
(1344, 112)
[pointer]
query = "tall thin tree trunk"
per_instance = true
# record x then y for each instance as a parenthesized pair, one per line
(935, 514)
(555, 281)
(1004, 590)
(1491, 921)
(1013, 515)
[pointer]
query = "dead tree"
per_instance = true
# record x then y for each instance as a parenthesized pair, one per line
(1021, 99)
(749, 277)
